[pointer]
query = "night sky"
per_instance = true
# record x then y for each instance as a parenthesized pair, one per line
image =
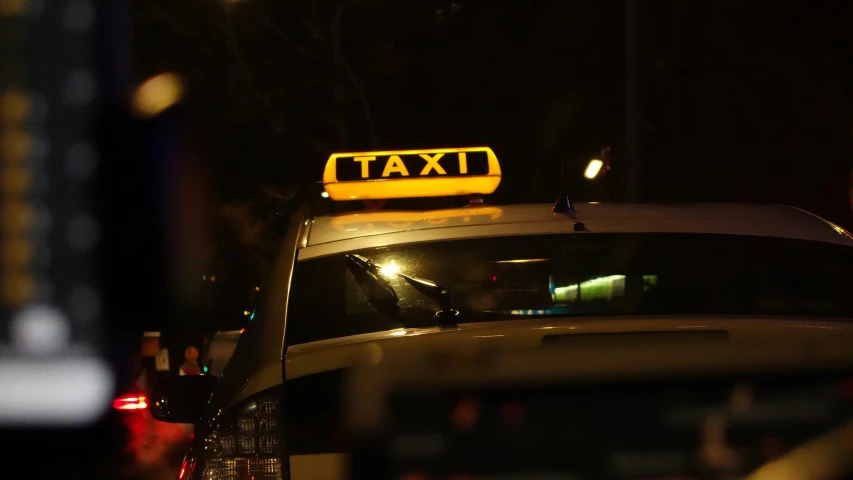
(743, 101)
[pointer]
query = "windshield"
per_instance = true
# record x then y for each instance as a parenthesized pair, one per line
(578, 275)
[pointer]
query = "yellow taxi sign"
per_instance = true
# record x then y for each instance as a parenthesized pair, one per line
(412, 173)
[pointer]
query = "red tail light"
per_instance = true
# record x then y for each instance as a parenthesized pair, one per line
(187, 469)
(135, 402)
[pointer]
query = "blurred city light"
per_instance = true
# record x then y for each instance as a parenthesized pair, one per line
(135, 402)
(157, 94)
(593, 169)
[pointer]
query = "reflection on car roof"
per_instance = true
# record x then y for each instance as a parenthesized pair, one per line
(730, 218)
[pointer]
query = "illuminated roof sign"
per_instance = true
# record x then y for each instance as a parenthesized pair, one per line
(412, 174)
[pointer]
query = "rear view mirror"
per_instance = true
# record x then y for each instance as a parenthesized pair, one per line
(181, 399)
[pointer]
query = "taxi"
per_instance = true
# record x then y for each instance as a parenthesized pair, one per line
(363, 288)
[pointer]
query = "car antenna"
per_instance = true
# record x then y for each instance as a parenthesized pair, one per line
(563, 204)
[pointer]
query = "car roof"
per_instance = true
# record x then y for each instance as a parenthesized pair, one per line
(335, 233)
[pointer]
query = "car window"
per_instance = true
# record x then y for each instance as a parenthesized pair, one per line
(578, 275)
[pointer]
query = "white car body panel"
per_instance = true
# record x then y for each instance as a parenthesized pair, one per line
(374, 348)
(338, 233)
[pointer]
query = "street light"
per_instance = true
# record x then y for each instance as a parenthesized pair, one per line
(598, 165)
(157, 94)
(593, 168)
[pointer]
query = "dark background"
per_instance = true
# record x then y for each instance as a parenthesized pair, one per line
(742, 101)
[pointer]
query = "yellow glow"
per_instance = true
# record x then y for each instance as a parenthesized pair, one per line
(15, 144)
(157, 94)
(412, 186)
(15, 180)
(9, 8)
(390, 270)
(525, 260)
(246, 312)
(839, 230)
(257, 289)
(432, 217)
(14, 106)
(16, 252)
(16, 218)
(593, 168)
(17, 288)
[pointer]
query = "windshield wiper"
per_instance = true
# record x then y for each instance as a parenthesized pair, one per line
(447, 315)
(375, 286)
(383, 297)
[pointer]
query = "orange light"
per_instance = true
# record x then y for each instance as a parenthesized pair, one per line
(14, 106)
(157, 94)
(137, 402)
(412, 184)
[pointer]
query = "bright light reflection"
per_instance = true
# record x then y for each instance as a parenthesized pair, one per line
(593, 168)
(324, 194)
(525, 260)
(390, 270)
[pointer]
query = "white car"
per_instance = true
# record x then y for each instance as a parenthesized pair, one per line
(369, 287)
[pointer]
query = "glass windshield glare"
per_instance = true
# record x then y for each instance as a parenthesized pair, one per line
(527, 276)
